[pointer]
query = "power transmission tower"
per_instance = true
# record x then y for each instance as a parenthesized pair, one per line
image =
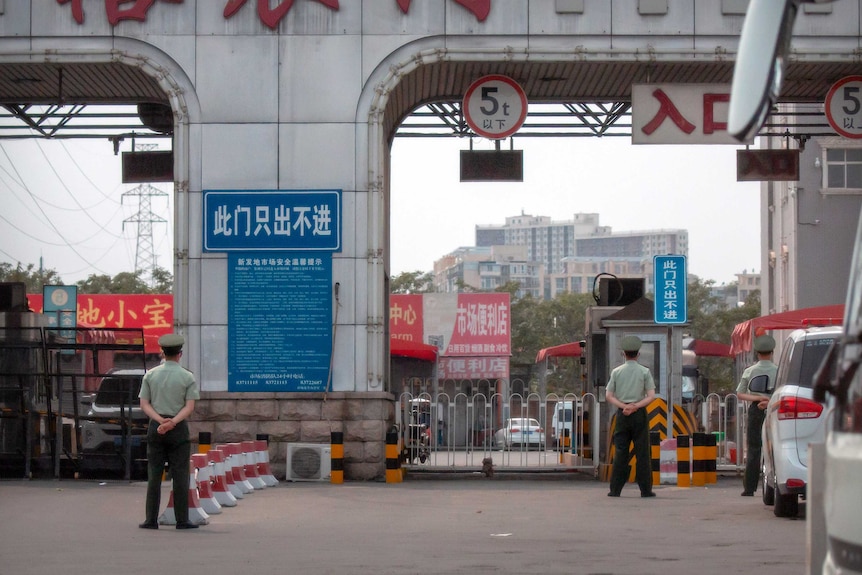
(145, 254)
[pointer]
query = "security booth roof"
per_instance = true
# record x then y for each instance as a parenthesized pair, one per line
(745, 332)
(412, 350)
(565, 350)
(706, 348)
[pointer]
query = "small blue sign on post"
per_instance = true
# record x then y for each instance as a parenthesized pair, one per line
(60, 306)
(272, 220)
(671, 289)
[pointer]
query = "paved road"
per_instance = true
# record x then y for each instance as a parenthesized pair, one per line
(464, 526)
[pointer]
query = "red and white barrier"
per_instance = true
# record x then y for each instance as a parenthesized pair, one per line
(263, 468)
(237, 466)
(249, 454)
(197, 515)
(203, 478)
(220, 488)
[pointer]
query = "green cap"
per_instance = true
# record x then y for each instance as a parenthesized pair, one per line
(631, 343)
(171, 340)
(764, 344)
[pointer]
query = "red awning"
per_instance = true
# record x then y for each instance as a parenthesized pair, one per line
(565, 350)
(704, 348)
(745, 332)
(412, 349)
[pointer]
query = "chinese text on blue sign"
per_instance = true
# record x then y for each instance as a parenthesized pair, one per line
(272, 220)
(671, 295)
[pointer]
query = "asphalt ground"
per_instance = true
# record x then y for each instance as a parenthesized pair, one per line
(522, 525)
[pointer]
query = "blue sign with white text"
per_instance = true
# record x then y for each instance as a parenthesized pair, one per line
(671, 289)
(279, 321)
(272, 220)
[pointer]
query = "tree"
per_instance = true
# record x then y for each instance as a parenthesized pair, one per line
(163, 281)
(33, 278)
(710, 319)
(412, 282)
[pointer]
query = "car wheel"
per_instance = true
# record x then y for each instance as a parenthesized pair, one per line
(768, 488)
(768, 493)
(786, 505)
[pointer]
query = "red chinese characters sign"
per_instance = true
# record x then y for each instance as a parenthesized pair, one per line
(119, 10)
(680, 114)
(405, 318)
(153, 313)
(475, 324)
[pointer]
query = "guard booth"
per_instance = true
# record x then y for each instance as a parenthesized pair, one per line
(661, 352)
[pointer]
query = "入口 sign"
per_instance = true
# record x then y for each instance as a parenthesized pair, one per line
(680, 114)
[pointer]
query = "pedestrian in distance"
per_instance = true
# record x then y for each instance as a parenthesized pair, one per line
(763, 347)
(631, 389)
(168, 394)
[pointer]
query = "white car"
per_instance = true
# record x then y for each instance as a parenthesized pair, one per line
(793, 419)
(522, 432)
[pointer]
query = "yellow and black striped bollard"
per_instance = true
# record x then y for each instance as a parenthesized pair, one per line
(337, 457)
(393, 460)
(699, 456)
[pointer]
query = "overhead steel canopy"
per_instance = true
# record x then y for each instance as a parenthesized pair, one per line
(99, 100)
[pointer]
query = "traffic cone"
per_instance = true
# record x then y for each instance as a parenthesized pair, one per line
(221, 491)
(249, 455)
(237, 467)
(263, 468)
(232, 485)
(197, 516)
(203, 474)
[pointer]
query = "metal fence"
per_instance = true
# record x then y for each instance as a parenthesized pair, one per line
(463, 429)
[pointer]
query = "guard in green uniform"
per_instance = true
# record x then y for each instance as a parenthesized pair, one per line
(631, 388)
(168, 394)
(763, 346)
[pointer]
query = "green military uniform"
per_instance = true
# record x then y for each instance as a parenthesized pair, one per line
(630, 383)
(754, 443)
(167, 387)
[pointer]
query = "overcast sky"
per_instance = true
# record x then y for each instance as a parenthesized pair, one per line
(632, 188)
(63, 201)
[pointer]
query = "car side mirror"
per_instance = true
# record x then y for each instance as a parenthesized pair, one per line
(758, 72)
(759, 384)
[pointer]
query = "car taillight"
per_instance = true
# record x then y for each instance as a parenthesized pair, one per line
(516, 430)
(540, 430)
(795, 483)
(799, 408)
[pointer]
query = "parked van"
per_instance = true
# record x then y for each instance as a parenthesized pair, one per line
(563, 419)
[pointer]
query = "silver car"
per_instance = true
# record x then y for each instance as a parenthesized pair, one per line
(520, 432)
(793, 419)
(116, 415)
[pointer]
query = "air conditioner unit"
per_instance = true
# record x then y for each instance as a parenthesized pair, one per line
(308, 462)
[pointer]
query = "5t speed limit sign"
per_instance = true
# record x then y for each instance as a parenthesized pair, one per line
(844, 107)
(495, 106)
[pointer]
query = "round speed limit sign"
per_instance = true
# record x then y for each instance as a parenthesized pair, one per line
(495, 107)
(844, 107)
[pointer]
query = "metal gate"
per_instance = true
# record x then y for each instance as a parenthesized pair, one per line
(463, 430)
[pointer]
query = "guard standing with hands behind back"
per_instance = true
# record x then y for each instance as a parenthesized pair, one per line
(631, 388)
(168, 394)
(763, 346)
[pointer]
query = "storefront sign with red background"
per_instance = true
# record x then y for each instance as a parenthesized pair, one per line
(152, 312)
